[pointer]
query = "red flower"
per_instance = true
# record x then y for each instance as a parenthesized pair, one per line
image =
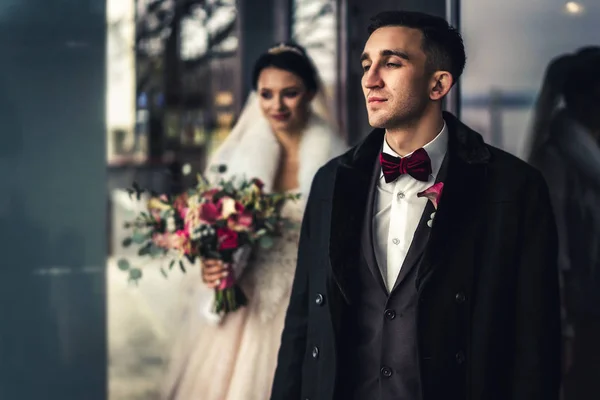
(433, 193)
(228, 239)
(259, 184)
(209, 212)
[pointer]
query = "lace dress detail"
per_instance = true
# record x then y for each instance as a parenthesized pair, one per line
(269, 276)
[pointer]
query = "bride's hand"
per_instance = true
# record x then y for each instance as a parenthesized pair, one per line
(212, 272)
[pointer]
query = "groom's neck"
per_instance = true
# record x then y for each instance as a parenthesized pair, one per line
(412, 135)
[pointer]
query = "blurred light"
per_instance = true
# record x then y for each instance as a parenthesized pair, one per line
(186, 169)
(572, 7)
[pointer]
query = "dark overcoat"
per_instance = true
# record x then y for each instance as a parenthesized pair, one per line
(488, 314)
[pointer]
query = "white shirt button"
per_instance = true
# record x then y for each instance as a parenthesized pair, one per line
(401, 195)
(396, 241)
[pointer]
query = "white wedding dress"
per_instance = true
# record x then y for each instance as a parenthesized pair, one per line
(236, 360)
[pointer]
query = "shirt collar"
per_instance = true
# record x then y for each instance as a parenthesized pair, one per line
(436, 149)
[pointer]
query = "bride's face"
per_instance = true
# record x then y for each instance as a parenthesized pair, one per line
(284, 99)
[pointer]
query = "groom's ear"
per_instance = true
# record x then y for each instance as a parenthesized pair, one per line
(440, 84)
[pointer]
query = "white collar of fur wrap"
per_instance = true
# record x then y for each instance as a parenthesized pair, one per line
(258, 153)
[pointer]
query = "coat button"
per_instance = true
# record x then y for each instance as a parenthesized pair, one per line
(460, 297)
(460, 357)
(319, 300)
(390, 314)
(386, 372)
(315, 352)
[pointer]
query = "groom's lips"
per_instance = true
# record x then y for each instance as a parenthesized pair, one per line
(376, 100)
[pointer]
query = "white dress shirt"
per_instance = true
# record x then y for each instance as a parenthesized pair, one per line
(397, 201)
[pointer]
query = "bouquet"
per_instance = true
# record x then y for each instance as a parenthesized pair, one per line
(207, 222)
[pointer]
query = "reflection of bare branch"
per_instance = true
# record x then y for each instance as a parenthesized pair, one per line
(218, 37)
(309, 21)
(159, 30)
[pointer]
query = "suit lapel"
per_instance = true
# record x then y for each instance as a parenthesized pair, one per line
(461, 198)
(368, 250)
(350, 197)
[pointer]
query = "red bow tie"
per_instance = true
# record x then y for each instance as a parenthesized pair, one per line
(417, 165)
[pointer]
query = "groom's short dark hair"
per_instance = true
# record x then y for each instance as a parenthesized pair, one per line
(442, 43)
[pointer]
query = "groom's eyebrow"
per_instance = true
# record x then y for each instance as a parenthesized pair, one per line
(387, 53)
(397, 53)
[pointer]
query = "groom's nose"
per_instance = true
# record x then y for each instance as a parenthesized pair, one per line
(372, 78)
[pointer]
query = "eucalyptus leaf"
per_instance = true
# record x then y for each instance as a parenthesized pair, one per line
(164, 273)
(123, 264)
(135, 274)
(266, 242)
(171, 264)
(144, 250)
(156, 251)
(181, 266)
(127, 242)
(139, 237)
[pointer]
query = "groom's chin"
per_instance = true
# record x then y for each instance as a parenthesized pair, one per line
(378, 123)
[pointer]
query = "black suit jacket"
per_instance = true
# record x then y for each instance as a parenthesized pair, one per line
(488, 316)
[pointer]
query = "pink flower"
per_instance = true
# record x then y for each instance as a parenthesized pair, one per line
(433, 193)
(180, 202)
(183, 212)
(178, 241)
(241, 222)
(245, 219)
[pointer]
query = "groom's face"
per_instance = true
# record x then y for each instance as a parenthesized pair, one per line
(394, 81)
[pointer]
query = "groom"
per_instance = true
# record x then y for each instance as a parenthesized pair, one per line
(427, 265)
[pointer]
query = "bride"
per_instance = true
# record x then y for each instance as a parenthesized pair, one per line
(282, 137)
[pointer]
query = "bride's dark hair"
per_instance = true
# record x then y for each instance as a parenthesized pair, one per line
(291, 57)
(567, 77)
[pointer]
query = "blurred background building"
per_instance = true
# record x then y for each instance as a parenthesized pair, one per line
(96, 94)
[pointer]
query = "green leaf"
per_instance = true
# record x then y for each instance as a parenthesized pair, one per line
(171, 264)
(127, 242)
(156, 251)
(123, 264)
(266, 242)
(139, 237)
(135, 274)
(164, 273)
(181, 266)
(144, 251)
